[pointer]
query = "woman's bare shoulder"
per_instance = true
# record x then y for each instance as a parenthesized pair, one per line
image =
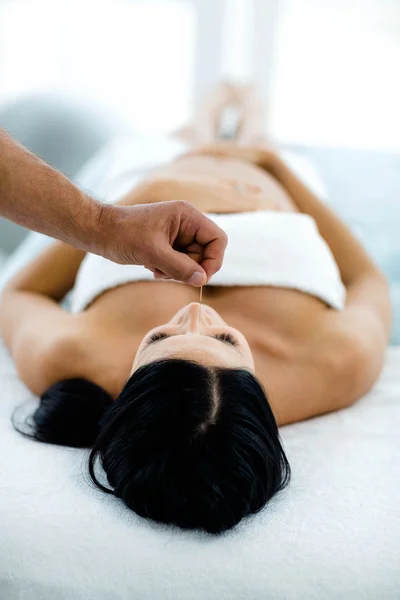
(63, 355)
(352, 345)
(327, 369)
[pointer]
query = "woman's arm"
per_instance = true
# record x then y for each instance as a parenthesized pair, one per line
(354, 339)
(50, 274)
(351, 258)
(31, 321)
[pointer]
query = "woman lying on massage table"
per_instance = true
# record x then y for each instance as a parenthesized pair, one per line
(182, 404)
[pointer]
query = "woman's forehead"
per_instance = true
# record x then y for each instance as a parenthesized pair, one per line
(201, 348)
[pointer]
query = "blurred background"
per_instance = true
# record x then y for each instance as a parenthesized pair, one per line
(76, 73)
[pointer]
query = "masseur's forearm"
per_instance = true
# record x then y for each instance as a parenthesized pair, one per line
(352, 260)
(37, 196)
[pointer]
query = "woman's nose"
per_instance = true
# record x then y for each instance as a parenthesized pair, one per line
(196, 317)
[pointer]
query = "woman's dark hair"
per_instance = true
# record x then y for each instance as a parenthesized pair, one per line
(68, 414)
(192, 446)
(184, 444)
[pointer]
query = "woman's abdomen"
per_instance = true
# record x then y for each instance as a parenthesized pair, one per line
(241, 175)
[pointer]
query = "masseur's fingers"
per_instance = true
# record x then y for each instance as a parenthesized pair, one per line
(172, 239)
(213, 247)
(194, 251)
(193, 240)
(179, 266)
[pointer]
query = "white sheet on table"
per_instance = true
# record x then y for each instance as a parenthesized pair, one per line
(333, 534)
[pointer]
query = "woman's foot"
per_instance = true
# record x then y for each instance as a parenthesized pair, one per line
(230, 110)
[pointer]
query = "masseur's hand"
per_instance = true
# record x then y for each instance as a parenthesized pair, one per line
(174, 240)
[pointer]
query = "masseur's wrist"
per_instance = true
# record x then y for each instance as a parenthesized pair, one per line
(119, 233)
(104, 228)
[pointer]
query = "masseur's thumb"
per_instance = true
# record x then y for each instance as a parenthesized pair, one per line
(179, 266)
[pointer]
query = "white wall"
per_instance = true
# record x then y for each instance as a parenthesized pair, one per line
(336, 69)
(327, 70)
(136, 58)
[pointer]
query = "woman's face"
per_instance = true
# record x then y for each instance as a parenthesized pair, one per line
(196, 332)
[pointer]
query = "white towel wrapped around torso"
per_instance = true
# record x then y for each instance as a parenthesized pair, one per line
(265, 248)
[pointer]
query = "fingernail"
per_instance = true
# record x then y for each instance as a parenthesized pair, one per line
(196, 279)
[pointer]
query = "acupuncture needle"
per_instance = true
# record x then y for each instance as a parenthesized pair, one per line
(201, 300)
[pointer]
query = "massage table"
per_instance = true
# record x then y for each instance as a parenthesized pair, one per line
(332, 534)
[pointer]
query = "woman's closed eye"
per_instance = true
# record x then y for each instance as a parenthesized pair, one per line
(226, 337)
(223, 337)
(155, 337)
